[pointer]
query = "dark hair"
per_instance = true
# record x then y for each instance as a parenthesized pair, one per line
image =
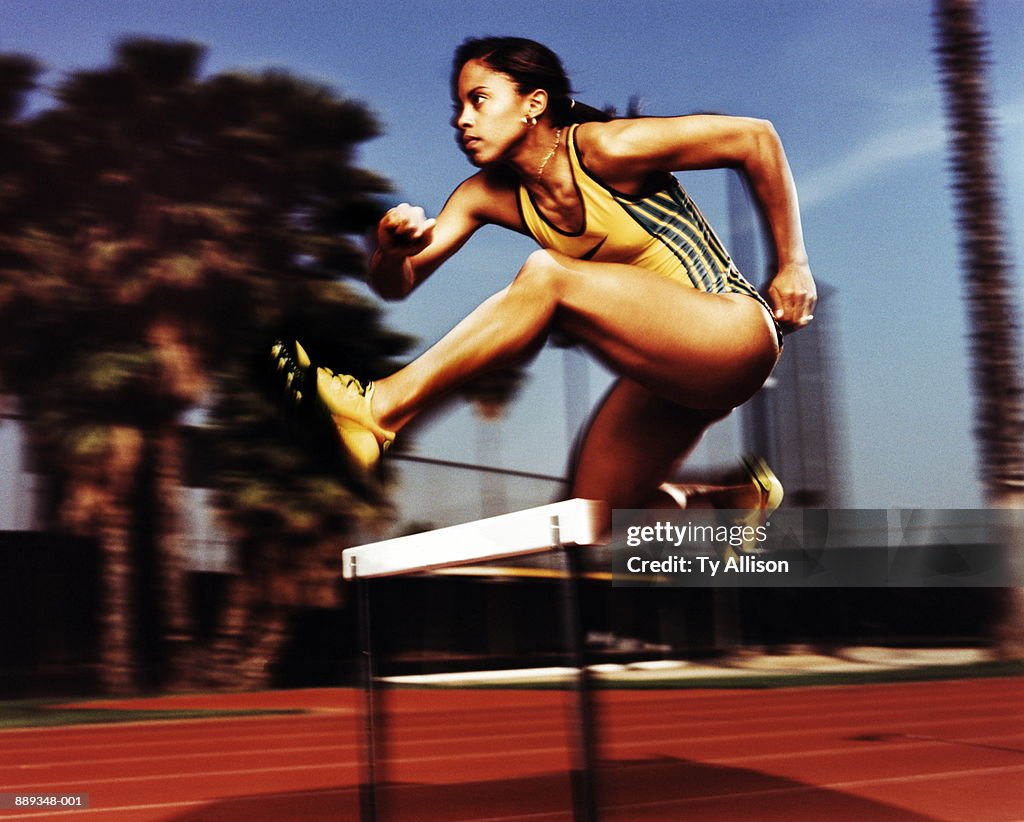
(532, 66)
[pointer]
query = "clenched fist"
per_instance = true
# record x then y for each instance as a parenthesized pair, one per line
(794, 295)
(404, 230)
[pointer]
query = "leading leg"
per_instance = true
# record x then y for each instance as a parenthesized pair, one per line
(697, 349)
(691, 348)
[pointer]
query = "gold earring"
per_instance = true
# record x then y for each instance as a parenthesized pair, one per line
(530, 121)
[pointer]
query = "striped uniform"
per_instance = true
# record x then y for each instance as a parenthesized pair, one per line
(663, 232)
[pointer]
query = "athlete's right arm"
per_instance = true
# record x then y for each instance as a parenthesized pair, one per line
(410, 247)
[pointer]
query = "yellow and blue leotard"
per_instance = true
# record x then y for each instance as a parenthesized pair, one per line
(661, 231)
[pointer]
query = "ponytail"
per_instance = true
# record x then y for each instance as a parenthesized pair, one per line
(577, 112)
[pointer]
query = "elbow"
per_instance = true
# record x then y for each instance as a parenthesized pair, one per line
(764, 137)
(763, 145)
(390, 292)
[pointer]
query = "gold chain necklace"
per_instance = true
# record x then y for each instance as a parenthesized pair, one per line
(554, 148)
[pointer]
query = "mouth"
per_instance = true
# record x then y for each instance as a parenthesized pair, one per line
(469, 143)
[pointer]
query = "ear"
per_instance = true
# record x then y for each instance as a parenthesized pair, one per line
(536, 103)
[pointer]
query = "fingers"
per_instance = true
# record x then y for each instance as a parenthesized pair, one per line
(407, 225)
(794, 308)
(797, 317)
(427, 229)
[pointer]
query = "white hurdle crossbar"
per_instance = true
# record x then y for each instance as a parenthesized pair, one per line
(579, 522)
(567, 526)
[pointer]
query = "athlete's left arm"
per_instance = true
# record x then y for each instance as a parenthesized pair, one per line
(629, 150)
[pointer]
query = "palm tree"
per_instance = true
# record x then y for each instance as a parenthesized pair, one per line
(962, 54)
(160, 228)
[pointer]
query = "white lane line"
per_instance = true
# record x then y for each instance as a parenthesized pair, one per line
(961, 704)
(648, 741)
(897, 741)
(121, 780)
(648, 744)
(988, 712)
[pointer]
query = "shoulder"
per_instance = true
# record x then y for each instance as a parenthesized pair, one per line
(618, 151)
(489, 196)
(615, 139)
(601, 139)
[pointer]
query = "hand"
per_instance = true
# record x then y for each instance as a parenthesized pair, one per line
(404, 231)
(793, 295)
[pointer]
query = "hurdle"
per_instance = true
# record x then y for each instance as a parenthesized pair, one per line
(567, 527)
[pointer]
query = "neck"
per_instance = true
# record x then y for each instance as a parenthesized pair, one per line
(537, 158)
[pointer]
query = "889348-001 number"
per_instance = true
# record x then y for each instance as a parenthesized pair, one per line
(28, 801)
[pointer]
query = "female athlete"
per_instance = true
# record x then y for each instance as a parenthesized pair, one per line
(627, 266)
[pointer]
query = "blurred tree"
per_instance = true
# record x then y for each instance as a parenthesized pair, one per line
(962, 53)
(157, 228)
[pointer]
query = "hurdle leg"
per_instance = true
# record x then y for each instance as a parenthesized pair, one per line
(534, 531)
(584, 793)
(373, 714)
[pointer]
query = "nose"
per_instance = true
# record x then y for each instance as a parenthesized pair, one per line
(461, 118)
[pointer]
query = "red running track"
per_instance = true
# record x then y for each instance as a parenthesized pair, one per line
(951, 750)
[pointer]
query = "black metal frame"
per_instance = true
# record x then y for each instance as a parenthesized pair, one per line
(583, 775)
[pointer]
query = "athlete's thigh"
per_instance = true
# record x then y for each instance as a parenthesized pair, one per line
(633, 441)
(701, 350)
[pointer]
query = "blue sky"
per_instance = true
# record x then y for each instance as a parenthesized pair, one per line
(851, 87)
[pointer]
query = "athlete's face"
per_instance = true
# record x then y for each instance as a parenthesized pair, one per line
(489, 113)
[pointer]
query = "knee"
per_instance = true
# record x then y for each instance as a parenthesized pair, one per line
(541, 273)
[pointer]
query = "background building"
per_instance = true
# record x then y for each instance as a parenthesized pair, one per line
(19, 488)
(795, 421)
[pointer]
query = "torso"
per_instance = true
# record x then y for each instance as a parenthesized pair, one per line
(657, 227)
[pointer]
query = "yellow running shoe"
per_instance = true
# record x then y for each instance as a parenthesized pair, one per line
(320, 393)
(768, 486)
(350, 405)
(769, 498)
